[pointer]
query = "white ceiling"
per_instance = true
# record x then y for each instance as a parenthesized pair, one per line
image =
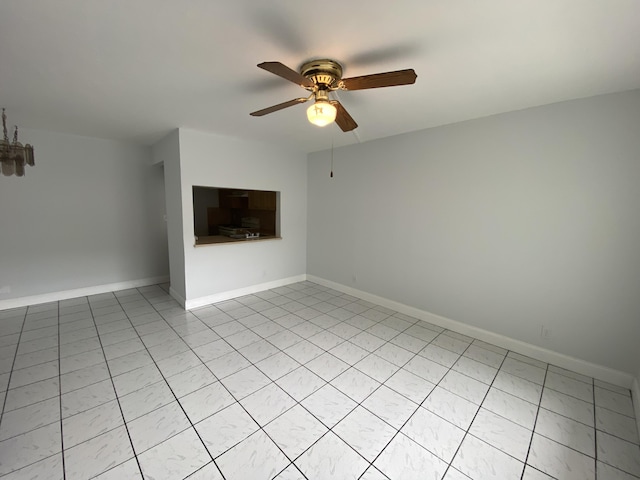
(135, 69)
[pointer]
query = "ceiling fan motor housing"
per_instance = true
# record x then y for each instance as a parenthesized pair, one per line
(325, 73)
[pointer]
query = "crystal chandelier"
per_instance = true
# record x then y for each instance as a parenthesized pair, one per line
(14, 155)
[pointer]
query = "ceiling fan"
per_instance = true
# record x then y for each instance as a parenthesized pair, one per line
(323, 76)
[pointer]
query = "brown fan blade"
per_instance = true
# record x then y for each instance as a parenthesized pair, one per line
(280, 106)
(343, 119)
(285, 72)
(377, 80)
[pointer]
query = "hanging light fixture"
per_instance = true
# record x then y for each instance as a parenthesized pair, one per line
(322, 112)
(14, 155)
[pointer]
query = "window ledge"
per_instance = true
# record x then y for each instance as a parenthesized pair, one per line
(221, 239)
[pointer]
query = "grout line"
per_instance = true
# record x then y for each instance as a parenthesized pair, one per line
(595, 431)
(15, 355)
(329, 383)
(64, 470)
(566, 446)
(229, 318)
(535, 422)
(420, 404)
(302, 365)
(261, 428)
(124, 422)
(408, 418)
(350, 365)
(325, 351)
(476, 414)
(177, 400)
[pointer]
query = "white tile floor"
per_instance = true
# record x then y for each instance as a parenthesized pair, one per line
(292, 383)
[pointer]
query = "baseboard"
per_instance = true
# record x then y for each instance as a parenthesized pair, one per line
(219, 297)
(600, 372)
(635, 396)
(177, 297)
(79, 292)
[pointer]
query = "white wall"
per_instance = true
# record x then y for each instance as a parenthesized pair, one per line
(166, 152)
(89, 213)
(218, 161)
(506, 223)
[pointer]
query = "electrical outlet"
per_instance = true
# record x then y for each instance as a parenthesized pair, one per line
(354, 278)
(5, 289)
(545, 332)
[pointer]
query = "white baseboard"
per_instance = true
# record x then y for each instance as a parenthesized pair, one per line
(600, 372)
(79, 292)
(177, 297)
(635, 396)
(219, 297)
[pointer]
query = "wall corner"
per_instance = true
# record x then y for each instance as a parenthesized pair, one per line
(635, 396)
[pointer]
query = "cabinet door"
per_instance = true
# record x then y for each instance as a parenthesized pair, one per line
(259, 200)
(232, 199)
(223, 198)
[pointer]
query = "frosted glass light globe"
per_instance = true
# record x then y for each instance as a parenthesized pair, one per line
(321, 113)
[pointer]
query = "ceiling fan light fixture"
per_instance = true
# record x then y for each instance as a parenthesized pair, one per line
(321, 113)
(320, 77)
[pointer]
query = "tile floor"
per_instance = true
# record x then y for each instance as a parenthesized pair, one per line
(293, 383)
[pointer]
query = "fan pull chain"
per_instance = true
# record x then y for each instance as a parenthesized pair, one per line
(331, 174)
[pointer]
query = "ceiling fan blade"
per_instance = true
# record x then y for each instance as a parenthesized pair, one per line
(280, 106)
(343, 119)
(285, 72)
(377, 80)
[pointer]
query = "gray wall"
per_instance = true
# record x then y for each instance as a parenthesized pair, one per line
(89, 213)
(507, 223)
(166, 152)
